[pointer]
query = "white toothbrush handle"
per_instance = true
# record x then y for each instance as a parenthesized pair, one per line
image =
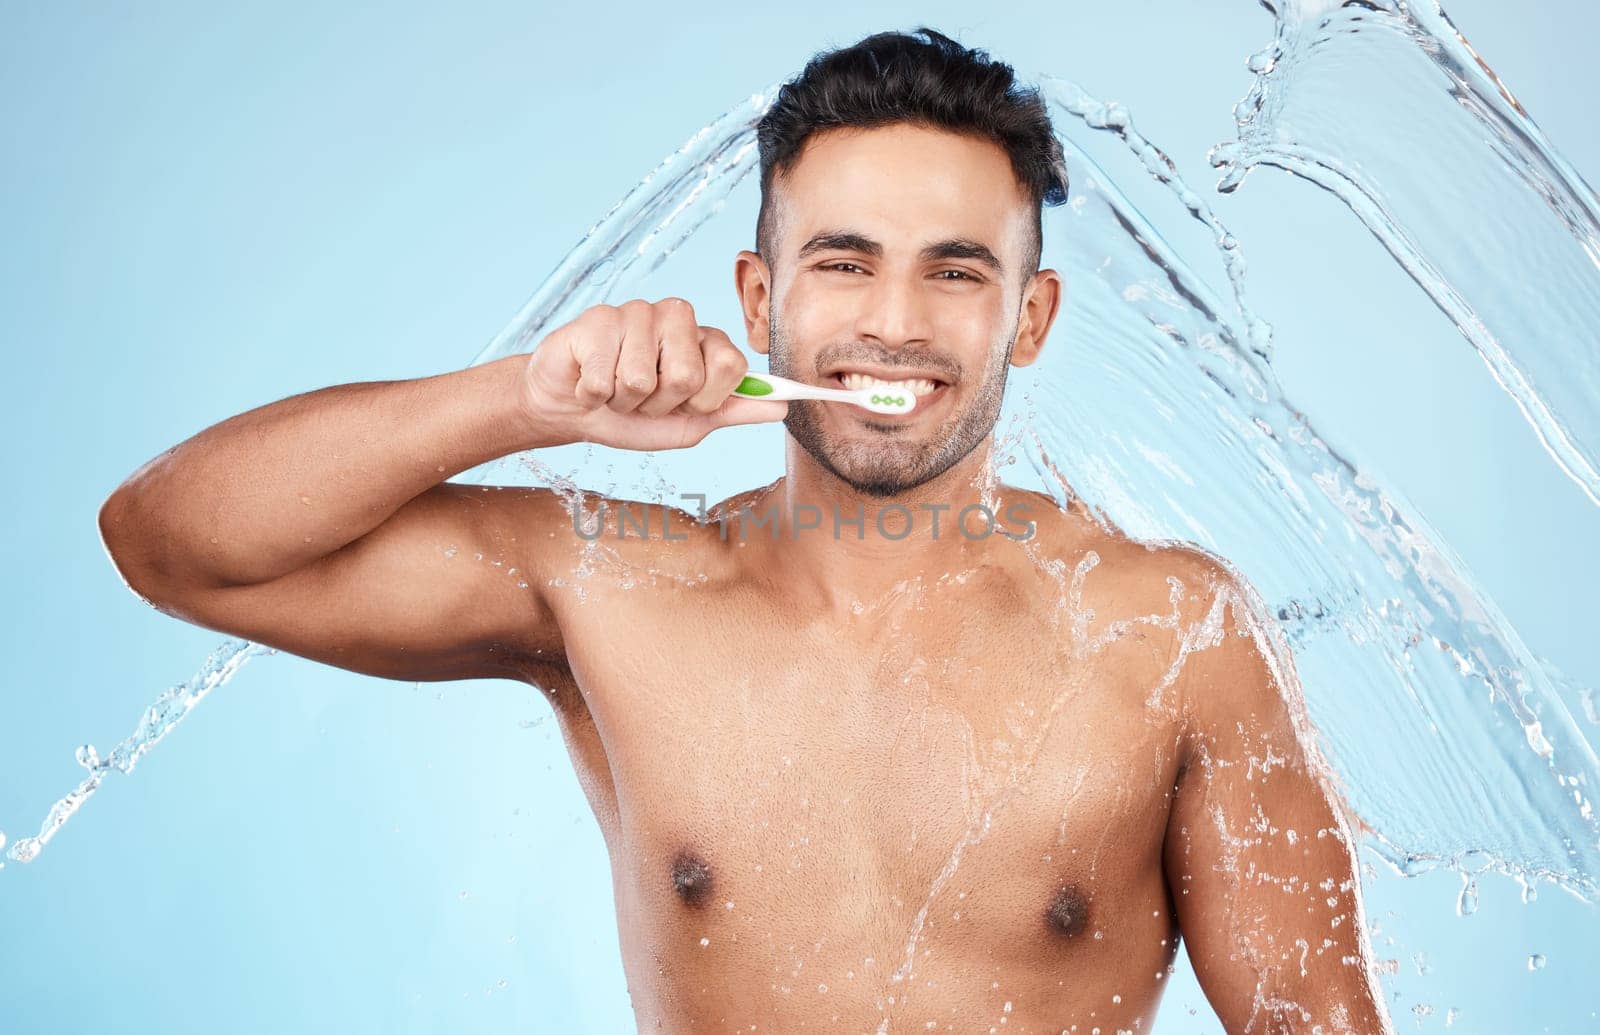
(771, 386)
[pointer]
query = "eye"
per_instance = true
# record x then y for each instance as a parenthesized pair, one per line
(837, 265)
(962, 274)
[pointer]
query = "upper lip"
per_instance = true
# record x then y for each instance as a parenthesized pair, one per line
(886, 373)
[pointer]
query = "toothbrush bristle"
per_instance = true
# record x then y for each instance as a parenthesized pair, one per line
(888, 402)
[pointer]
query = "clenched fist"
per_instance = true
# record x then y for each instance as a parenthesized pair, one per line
(640, 375)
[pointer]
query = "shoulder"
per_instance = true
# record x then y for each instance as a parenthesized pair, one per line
(1111, 577)
(1235, 682)
(1228, 659)
(570, 531)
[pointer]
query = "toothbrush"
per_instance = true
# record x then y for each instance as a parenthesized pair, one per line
(877, 399)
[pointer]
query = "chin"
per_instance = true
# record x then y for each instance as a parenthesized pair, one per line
(880, 475)
(889, 484)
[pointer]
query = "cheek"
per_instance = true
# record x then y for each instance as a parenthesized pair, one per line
(976, 332)
(813, 318)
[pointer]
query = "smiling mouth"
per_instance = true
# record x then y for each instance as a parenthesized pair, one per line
(921, 387)
(930, 392)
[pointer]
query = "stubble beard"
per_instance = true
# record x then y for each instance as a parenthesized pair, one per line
(889, 459)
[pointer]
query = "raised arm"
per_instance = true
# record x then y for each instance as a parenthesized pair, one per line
(318, 524)
(1259, 860)
(323, 524)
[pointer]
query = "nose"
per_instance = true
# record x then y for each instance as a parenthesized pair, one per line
(894, 312)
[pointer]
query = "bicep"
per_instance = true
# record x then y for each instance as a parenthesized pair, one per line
(1259, 861)
(448, 587)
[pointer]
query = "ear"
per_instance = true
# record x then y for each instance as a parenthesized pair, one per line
(753, 281)
(1039, 305)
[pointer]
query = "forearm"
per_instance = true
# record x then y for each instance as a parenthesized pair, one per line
(268, 491)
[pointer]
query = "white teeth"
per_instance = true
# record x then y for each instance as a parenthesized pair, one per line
(918, 386)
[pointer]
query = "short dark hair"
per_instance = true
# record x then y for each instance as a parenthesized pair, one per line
(894, 77)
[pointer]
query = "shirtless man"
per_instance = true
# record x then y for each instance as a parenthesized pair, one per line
(876, 772)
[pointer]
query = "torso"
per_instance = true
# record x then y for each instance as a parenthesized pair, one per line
(943, 813)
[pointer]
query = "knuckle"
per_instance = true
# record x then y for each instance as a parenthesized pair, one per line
(596, 350)
(676, 305)
(682, 378)
(637, 382)
(729, 361)
(600, 324)
(591, 394)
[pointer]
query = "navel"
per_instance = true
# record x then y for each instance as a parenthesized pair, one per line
(691, 879)
(1068, 912)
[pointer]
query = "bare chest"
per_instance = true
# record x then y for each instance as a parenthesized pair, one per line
(877, 802)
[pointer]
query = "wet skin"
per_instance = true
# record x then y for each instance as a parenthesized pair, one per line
(948, 807)
(953, 785)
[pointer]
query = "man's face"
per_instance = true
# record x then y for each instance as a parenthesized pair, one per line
(898, 253)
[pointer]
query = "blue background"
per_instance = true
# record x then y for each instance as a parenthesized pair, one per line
(203, 210)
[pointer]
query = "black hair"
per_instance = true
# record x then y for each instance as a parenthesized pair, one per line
(893, 77)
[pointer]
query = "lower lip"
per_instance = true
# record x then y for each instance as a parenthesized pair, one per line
(924, 402)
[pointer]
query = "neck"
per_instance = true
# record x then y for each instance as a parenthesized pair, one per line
(838, 549)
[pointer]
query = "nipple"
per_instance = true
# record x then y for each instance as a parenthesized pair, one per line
(1068, 912)
(691, 879)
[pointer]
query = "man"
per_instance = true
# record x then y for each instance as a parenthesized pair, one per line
(857, 770)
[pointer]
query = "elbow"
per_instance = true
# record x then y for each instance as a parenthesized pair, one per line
(132, 547)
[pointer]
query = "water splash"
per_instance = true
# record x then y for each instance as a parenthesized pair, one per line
(158, 720)
(1180, 395)
(1337, 85)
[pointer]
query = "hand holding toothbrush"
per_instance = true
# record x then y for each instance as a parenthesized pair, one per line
(641, 375)
(646, 376)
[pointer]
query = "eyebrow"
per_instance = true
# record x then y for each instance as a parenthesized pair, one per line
(851, 241)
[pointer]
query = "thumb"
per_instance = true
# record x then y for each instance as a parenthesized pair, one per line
(737, 409)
